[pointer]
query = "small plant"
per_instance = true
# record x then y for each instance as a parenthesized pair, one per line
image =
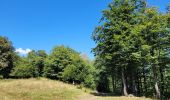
(1, 77)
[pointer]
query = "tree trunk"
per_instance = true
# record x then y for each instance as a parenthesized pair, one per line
(113, 83)
(145, 83)
(141, 85)
(135, 89)
(157, 90)
(138, 84)
(163, 83)
(124, 84)
(156, 82)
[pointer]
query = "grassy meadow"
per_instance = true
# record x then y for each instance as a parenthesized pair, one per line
(45, 89)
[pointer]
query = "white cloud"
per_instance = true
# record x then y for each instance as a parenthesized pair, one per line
(23, 51)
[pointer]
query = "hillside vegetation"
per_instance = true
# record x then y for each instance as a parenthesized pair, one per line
(44, 89)
(132, 57)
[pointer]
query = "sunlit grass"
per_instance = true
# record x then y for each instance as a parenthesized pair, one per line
(44, 89)
(33, 89)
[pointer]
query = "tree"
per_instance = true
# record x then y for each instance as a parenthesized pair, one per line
(66, 64)
(22, 68)
(156, 37)
(114, 38)
(6, 56)
(39, 59)
(168, 8)
(30, 66)
(59, 58)
(133, 42)
(101, 75)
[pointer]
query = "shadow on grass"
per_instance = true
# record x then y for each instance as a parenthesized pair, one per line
(99, 94)
(103, 94)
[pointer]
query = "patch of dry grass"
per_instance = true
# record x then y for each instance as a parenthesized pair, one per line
(44, 89)
(33, 89)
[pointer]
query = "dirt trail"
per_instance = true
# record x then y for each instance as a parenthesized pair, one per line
(88, 97)
(94, 97)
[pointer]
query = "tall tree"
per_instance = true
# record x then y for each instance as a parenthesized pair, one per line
(133, 42)
(156, 36)
(114, 38)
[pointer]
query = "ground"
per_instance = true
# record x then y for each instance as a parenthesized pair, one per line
(44, 89)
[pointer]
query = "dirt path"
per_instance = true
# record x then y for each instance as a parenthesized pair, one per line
(88, 97)
(93, 97)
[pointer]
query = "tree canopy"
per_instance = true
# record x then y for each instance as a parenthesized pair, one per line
(133, 42)
(6, 56)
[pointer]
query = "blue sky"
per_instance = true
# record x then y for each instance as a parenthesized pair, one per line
(43, 24)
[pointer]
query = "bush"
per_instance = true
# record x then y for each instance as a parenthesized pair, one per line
(81, 73)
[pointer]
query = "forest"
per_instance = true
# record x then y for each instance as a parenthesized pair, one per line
(132, 54)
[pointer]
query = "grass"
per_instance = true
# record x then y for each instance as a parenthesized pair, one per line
(44, 89)
(33, 89)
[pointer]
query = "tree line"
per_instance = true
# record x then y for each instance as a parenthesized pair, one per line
(63, 63)
(132, 54)
(133, 49)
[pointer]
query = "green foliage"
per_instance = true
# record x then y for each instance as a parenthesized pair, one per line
(37, 60)
(70, 73)
(101, 75)
(59, 58)
(6, 56)
(132, 54)
(117, 43)
(30, 66)
(23, 69)
(132, 44)
(81, 73)
(66, 64)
